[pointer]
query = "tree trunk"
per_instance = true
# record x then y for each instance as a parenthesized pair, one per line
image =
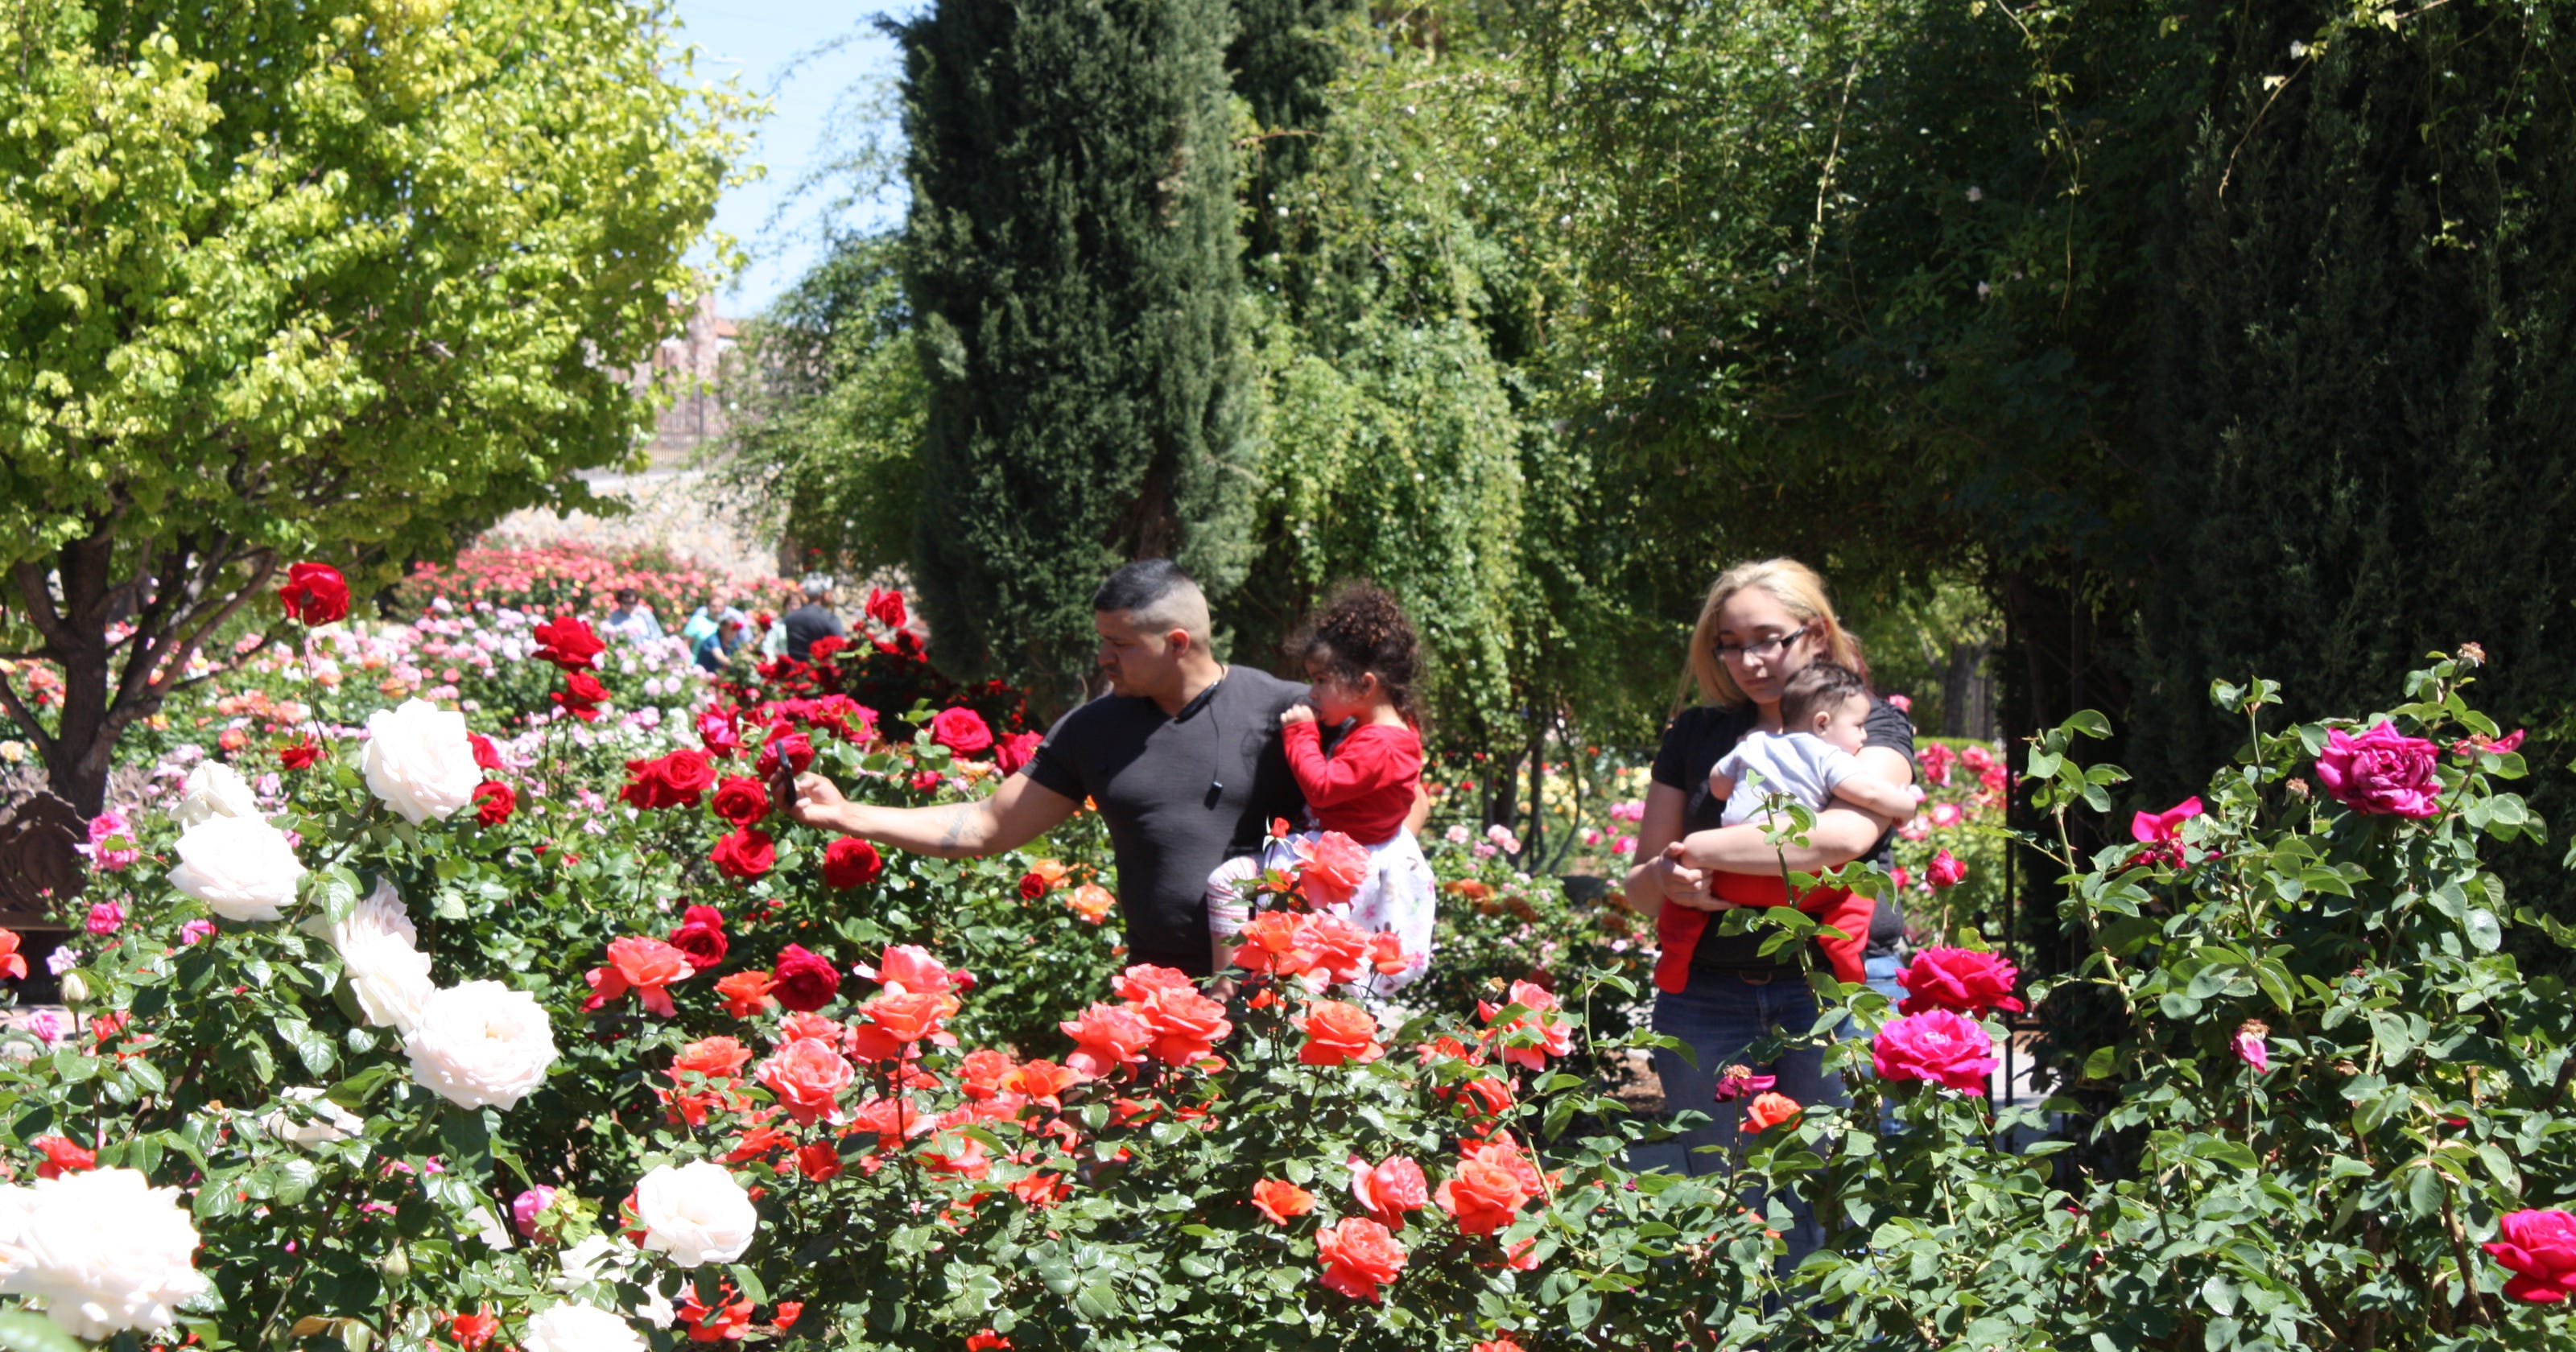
(1968, 692)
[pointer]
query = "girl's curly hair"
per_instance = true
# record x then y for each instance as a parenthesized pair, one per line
(1361, 631)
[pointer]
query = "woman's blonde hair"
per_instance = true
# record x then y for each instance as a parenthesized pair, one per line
(1798, 590)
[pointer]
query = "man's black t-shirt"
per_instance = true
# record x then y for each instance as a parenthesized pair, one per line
(807, 623)
(1157, 780)
(1702, 734)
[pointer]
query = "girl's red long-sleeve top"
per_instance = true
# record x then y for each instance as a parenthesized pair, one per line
(1365, 789)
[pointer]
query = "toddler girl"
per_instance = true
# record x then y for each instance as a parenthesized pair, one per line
(1363, 663)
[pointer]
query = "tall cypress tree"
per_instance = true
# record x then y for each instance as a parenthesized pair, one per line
(1072, 268)
(2355, 424)
(1284, 58)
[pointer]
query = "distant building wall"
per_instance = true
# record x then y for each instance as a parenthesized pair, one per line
(689, 367)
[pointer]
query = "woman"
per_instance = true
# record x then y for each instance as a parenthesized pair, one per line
(1761, 623)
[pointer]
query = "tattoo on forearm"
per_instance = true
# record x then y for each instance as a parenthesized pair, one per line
(956, 828)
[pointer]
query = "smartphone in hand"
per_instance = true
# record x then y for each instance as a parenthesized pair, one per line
(782, 789)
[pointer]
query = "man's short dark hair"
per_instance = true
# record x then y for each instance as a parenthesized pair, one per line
(1815, 687)
(627, 596)
(1156, 595)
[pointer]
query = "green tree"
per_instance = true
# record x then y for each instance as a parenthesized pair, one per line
(1285, 56)
(1071, 265)
(2356, 436)
(828, 400)
(316, 281)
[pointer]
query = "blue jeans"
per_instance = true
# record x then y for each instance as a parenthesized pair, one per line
(1718, 1016)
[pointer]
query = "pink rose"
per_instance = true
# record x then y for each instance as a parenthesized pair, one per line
(1958, 979)
(1938, 1047)
(2380, 773)
(525, 1208)
(1945, 870)
(2250, 1047)
(2539, 1248)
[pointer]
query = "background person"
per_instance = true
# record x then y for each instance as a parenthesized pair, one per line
(812, 620)
(632, 618)
(1182, 755)
(1762, 622)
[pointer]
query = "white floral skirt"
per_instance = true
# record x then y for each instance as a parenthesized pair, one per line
(1400, 897)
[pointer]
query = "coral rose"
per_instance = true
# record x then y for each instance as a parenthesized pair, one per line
(315, 593)
(910, 967)
(1770, 1110)
(1485, 1192)
(1331, 868)
(1338, 1033)
(1529, 1039)
(1958, 979)
(2380, 772)
(1359, 1256)
(1389, 1188)
(2539, 1248)
(642, 965)
(716, 1058)
(1280, 1201)
(746, 994)
(801, 981)
(851, 862)
(1938, 1047)
(807, 1075)
(962, 731)
(1187, 1025)
(1106, 1037)
(1092, 902)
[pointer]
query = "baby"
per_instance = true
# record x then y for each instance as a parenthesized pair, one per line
(1824, 710)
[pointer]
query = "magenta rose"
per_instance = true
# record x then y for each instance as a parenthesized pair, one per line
(1938, 1047)
(2380, 773)
(1958, 979)
(2539, 1248)
(962, 731)
(803, 982)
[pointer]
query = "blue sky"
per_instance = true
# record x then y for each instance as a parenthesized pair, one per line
(761, 42)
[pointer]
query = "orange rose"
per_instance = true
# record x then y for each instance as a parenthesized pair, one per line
(1041, 1081)
(1770, 1110)
(1271, 943)
(1106, 1037)
(909, 1017)
(1336, 1032)
(746, 994)
(807, 1075)
(1389, 1189)
(717, 1058)
(1359, 1256)
(1279, 1200)
(1187, 1025)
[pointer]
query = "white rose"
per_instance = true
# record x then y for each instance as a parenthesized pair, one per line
(240, 866)
(330, 1121)
(696, 1213)
(579, 1328)
(387, 974)
(481, 1044)
(213, 790)
(419, 761)
(104, 1249)
(595, 1258)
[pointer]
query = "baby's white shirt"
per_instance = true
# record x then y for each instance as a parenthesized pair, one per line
(1800, 764)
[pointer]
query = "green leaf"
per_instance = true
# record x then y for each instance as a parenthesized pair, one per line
(21, 1331)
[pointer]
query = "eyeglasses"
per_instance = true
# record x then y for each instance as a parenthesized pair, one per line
(1763, 648)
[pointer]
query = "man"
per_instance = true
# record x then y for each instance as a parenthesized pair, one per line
(631, 619)
(812, 620)
(1183, 756)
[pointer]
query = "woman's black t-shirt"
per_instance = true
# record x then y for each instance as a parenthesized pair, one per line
(1702, 734)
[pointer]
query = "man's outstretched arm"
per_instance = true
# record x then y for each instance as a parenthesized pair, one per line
(1015, 814)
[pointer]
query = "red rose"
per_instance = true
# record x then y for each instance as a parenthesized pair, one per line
(568, 643)
(701, 935)
(716, 732)
(821, 649)
(794, 747)
(1958, 979)
(1032, 886)
(1015, 750)
(962, 731)
(676, 780)
(62, 1156)
(741, 800)
(300, 754)
(886, 607)
(486, 755)
(802, 981)
(745, 854)
(581, 696)
(315, 593)
(926, 781)
(849, 862)
(494, 802)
